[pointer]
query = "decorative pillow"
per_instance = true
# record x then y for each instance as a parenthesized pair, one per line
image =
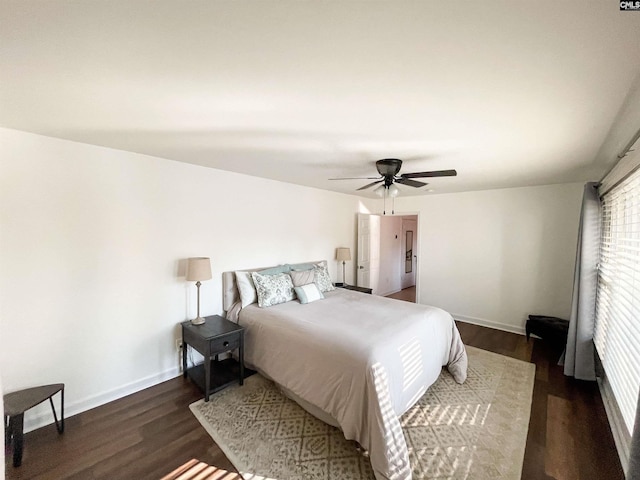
(273, 289)
(308, 293)
(246, 288)
(299, 267)
(322, 278)
(302, 278)
(275, 270)
(232, 313)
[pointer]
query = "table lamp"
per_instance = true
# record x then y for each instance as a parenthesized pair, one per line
(343, 254)
(198, 269)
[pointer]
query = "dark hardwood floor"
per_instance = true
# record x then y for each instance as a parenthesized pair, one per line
(569, 435)
(406, 294)
(150, 433)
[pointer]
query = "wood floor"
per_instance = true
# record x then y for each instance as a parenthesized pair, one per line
(151, 433)
(406, 294)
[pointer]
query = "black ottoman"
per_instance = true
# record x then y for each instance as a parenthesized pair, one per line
(553, 329)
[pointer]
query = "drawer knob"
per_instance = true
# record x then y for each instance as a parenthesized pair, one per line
(225, 344)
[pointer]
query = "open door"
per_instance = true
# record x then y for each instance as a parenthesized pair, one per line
(409, 256)
(368, 251)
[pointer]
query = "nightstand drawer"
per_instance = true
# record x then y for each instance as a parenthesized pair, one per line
(224, 344)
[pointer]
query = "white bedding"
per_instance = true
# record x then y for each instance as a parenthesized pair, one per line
(362, 359)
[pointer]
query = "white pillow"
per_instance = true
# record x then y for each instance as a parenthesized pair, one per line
(308, 293)
(246, 288)
(273, 289)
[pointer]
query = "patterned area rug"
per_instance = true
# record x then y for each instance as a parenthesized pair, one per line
(195, 470)
(477, 430)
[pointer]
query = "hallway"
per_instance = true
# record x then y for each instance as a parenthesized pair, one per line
(408, 294)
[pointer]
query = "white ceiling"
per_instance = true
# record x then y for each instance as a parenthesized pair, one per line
(509, 93)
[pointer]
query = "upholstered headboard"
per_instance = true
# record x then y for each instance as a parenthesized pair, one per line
(230, 293)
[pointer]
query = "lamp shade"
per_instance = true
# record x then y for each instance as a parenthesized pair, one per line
(393, 191)
(198, 269)
(343, 254)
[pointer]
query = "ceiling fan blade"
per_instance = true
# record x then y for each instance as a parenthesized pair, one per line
(434, 173)
(411, 183)
(370, 185)
(355, 178)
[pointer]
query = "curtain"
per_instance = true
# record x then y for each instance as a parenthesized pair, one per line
(633, 472)
(579, 354)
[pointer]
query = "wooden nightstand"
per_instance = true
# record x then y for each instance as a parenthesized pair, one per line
(217, 335)
(357, 289)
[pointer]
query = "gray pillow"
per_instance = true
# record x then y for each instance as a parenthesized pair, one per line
(299, 267)
(273, 289)
(302, 278)
(275, 270)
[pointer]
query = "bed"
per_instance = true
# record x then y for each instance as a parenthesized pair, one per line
(355, 361)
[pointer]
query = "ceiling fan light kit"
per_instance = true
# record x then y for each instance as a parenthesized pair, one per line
(391, 191)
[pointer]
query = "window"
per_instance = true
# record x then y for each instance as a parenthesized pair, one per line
(617, 328)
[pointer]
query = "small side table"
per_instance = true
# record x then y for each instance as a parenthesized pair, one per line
(356, 289)
(214, 337)
(16, 403)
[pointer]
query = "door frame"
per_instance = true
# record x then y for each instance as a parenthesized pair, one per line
(419, 234)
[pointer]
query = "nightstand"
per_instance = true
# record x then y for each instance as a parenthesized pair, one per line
(214, 337)
(356, 289)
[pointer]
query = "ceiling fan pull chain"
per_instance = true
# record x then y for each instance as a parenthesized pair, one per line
(384, 202)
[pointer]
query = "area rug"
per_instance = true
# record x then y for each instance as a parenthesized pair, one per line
(476, 430)
(195, 470)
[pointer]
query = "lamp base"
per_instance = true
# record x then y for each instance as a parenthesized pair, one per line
(197, 321)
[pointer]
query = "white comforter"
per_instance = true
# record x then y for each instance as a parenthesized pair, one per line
(362, 359)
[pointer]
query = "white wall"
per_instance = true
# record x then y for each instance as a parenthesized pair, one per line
(90, 244)
(493, 257)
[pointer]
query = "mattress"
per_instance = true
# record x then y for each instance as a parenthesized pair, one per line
(361, 359)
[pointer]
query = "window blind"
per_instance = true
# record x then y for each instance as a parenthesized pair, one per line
(617, 324)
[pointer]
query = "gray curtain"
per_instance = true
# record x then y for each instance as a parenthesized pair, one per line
(579, 354)
(633, 472)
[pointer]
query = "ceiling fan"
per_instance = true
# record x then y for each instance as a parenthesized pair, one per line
(389, 168)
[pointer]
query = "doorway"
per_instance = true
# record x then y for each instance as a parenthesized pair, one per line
(387, 259)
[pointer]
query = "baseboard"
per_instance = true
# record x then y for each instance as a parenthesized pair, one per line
(391, 292)
(82, 405)
(488, 323)
(621, 436)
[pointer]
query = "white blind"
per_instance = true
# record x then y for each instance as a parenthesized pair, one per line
(617, 328)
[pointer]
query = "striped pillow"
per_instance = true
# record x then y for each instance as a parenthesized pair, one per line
(308, 293)
(302, 278)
